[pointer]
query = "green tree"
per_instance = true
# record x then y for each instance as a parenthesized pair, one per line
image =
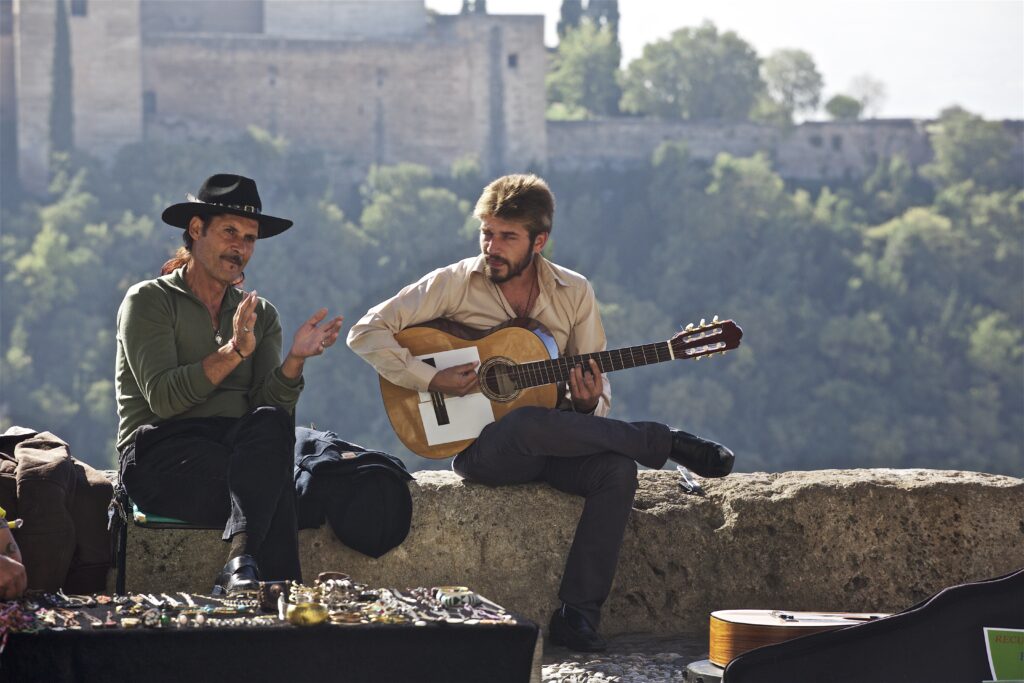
(570, 16)
(844, 108)
(584, 71)
(969, 148)
(696, 74)
(605, 13)
(61, 114)
(415, 224)
(892, 188)
(793, 81)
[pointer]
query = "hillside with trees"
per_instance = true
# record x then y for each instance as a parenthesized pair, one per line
(883, 317)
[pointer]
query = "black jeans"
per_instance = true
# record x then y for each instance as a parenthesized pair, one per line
(593, 457)
(219, 470)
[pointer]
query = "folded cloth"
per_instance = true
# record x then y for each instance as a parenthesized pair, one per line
(363, 494)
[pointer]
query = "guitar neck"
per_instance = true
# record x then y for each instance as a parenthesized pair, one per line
(557, 370)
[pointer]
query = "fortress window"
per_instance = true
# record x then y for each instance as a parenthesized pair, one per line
(79, 8)
(837, 142)
(513, 60)
(815, 140)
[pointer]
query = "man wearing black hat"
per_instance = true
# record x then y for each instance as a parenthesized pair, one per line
(206, 405)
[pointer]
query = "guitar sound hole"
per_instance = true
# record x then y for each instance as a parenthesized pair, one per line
(496, 380)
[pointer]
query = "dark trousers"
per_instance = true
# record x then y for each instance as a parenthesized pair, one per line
(219, 470)
(587, 456)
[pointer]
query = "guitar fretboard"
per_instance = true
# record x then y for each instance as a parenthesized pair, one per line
(557, 370)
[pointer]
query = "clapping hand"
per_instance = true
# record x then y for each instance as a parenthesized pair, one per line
(313, 338)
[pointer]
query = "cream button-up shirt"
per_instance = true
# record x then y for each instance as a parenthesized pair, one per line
(463, 293)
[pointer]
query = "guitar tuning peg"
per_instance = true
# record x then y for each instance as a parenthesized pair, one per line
(715, 319)
(702, 323)
(689, 326)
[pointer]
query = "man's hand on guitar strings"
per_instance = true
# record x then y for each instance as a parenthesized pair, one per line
(458, 380)
(586, 387)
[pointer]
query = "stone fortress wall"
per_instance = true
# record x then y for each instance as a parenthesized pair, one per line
(368, 82)
(454, 87)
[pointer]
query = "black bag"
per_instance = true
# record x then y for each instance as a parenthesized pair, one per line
(939, 640)
(362, 494)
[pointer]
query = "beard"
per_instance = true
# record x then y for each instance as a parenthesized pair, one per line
(514, 269)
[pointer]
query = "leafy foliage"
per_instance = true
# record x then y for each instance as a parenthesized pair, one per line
(696, 74)
(583, 76)
(882, 318)
(793, 81)
(844, 108)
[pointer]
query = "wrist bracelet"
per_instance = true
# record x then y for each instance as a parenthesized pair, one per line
(234, 347)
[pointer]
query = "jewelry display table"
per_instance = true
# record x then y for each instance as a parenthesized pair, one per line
(96, 644)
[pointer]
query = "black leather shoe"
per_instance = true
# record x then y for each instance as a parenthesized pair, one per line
(570, 628)
(239, 574)
(705, 458)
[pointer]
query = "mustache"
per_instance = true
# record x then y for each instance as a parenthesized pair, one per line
(234, 258)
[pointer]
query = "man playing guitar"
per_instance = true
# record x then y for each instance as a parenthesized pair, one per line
(573, 447)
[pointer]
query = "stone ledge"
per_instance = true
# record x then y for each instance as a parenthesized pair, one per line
(858, 540)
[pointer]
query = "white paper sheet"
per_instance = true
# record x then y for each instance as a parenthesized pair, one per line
(467, 415)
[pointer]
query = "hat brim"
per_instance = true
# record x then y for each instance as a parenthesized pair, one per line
(179, 215)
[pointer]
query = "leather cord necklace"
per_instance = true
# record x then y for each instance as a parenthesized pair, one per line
(530, 301)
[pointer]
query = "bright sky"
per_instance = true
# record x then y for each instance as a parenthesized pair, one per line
(929, 53)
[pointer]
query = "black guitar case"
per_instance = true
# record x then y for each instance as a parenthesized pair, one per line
(939, 640)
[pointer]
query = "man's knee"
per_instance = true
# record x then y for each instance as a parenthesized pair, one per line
(613, 472)
(269, 430)
(271, 422)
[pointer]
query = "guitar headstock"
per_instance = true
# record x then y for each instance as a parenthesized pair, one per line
(706, 339)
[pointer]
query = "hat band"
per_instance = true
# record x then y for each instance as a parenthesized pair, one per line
(247, 208)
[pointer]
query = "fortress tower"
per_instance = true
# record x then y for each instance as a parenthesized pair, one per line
(367, 81)
(105, 92)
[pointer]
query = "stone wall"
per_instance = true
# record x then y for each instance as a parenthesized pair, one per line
(344, 18)
(859, 540)
(33, 73)
(107, 76)
(429, 100)
(106, 81)
(207, 16)
(810, 151)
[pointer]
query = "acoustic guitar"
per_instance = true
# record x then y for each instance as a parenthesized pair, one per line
(519, 366)
(735, 631)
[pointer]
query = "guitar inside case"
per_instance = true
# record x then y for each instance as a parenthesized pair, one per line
(938, 640)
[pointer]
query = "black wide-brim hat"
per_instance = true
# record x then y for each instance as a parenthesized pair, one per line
(226, 193)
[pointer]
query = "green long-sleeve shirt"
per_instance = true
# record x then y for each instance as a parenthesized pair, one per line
(163, 335)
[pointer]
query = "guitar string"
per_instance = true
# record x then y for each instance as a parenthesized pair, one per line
(550, 371)
(530, 302)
